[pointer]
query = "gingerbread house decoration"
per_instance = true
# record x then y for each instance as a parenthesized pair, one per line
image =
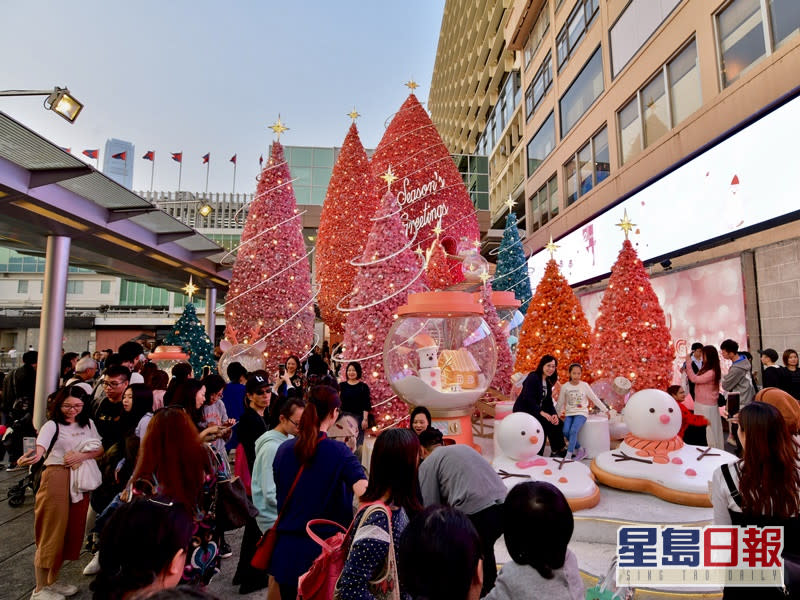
(459, 368)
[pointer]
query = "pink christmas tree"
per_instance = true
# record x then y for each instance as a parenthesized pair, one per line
(505, 364)
(437, 271)
(386, 273)
(270, 291)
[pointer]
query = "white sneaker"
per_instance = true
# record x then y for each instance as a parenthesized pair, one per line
(46, 594)
(93, 568)
(63, 589)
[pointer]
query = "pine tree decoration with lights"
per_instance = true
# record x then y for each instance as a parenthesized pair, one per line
(190, 335)
(349, 205)
(554, 324)
(387, 272)
(437, 270)
(430, 187)
(269, 296)
(512, 266)
(631, 338)
(502, 376)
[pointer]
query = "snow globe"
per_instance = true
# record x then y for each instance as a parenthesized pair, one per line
(440, 353)
(167, 357)
(250, 356)
(510, 317)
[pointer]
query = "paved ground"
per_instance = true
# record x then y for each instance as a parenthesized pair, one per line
(17, 548)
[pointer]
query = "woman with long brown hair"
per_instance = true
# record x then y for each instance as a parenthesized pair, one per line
(706, 391)
(174, 463)
(324, 475)
(763, 488)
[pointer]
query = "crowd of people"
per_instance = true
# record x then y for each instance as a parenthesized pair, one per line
(138, 463)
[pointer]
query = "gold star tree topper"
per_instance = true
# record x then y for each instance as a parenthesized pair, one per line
(411, 84)
(190, 289)
(626, 224)
(278, 128)
(389, 177)
(354, 114)
(551, 247)
(510, 203)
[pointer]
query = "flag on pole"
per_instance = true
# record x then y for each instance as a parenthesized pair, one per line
(120, 156)
(261, 161)
(233, 159)
(149, 155)
(91, 153)
(206, 158)
(177, 157)
(68, 150)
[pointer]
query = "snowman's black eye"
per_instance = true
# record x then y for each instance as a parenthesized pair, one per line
(652, 410)
(522, 433)
(670, 410)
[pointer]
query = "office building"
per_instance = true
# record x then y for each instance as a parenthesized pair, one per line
(118, 160)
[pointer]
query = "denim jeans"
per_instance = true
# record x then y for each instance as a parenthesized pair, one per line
(572, 425)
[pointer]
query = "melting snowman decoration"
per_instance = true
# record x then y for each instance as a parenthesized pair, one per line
(520, 437)
(652, 458)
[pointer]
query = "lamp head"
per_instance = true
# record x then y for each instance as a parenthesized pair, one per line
(205, 210)
(63, 104)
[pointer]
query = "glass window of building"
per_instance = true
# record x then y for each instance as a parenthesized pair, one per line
(22, 286)
(638, 21)
(74, 287)
(537, 34)
(654, 109)
(543, 205)
(784, 15)
(666, 100)
(741, 38)
(588, 167)
(684, 83)
(500, 116)
(539, 86)
(541, 144)
(571, 34)
(105, 286)
(582, 92)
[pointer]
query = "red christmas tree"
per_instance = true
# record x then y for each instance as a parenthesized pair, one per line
(554, 324)
(631, 338)
(437, 270)
(502, 376)
(349, 205)
(387, 272)
(430, 187)
(270, 291)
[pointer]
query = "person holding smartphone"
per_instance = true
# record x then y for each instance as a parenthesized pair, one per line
(289, 376)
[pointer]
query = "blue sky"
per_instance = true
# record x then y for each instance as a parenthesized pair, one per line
(209, 76)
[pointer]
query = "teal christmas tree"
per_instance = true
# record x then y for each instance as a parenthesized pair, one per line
(190, 335)
(512, 267)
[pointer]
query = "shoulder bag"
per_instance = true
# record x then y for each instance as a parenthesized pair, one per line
(266, 545)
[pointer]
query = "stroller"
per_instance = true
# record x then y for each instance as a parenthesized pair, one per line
(21, 426)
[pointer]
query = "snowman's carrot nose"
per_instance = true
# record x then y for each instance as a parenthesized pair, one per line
(664, 419)
(534, 439)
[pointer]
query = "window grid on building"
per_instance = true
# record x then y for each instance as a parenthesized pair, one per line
(543, 204)
(75, 287)
(500, 116)
(578, 23)
(542, 144)
(749, 30)
(105, 286)
(587, 167)
(582, 92)
(539, 86)
(536, 36)
(22, 286)
(664, 101)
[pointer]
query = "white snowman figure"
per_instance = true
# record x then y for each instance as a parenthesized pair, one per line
(653, 415)
(429, 370)
(520, 437)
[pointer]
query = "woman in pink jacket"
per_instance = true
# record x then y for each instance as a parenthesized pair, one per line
(706, 393)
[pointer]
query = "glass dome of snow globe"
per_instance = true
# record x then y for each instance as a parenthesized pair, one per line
(167, 357)
(251, 357)
(440, 353)
(510, 317)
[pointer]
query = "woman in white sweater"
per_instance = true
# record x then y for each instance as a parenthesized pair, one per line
(573, 401)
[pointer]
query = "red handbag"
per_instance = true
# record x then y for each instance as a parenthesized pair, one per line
(266, 545)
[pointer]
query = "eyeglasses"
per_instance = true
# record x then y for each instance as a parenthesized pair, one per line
(71, 406)
(260, 392)
(295, 423)
(112, 383)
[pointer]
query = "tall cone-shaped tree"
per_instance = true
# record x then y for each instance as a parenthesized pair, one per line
(270, 291)
(349, 205)
(554, 324)
(437, 271)
(430, 186)
(502, 376)
(381, 286)
(631, 338)
(512, 267)
(190, 335)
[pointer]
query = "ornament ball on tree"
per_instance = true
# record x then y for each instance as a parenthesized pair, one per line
(270, 289)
